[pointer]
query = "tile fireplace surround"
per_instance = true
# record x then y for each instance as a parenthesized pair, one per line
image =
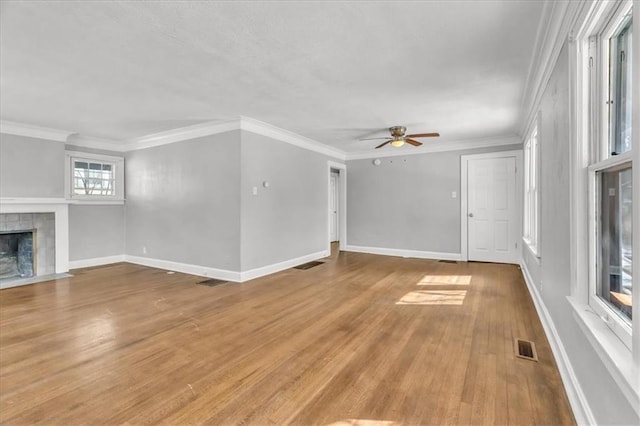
(50, 217)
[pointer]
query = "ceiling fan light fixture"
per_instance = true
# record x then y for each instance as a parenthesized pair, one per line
(399, 138)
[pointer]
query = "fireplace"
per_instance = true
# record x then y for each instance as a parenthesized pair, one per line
(17, 254)
(49, 217)
(27, 246)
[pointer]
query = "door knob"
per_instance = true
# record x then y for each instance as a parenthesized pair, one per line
(470, 214)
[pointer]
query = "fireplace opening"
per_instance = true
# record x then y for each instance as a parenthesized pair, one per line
(17, 254)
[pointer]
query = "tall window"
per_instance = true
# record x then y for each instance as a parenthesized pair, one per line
(531, 184)
(610, 174)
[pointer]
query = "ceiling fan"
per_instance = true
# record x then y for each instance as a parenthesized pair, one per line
(398, 137)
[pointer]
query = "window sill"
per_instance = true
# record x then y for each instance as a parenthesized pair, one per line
(532, 249)
(96, 202)
(616, 357)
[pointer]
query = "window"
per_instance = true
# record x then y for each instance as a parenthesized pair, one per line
(94, 177)
(531, 184)
(602, 162)
(610, 174)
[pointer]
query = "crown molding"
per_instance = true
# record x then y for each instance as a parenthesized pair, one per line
(443, 147)
(242, 123)
(96, 143)
(32, 131)
(270, 131)
(558, 18)
(182, 134)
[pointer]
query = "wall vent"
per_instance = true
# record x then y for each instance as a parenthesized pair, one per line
(525, 349)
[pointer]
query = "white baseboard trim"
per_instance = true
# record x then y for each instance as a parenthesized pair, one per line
(280, 266)
(186, 268)
(96, 261)
(404, 253)
(203, 271)
(579, 404)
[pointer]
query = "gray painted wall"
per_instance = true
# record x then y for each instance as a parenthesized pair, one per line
(31, 167)
(34, 168)
(405, 202)
(553, 276)
(289, 219)
(183, 202)
(95, 231)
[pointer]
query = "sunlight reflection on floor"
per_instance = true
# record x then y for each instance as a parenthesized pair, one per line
(364, 422)
(433, 297)
(445, 279)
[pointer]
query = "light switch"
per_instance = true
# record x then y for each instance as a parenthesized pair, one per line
(454, 194)
(255, 190)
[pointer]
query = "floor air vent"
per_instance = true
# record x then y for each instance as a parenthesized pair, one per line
(212, 282)
(525, 349)
(308, 265)
(448, 261)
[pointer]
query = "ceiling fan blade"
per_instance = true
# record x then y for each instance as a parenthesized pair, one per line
(373, 139)
(383, 144)
(424, 135)
(412, 142)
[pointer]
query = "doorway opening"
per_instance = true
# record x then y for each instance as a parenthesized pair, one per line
(337, 201)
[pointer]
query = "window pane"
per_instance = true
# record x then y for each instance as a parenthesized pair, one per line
(620, 61)
(93, 178)
(615, 239)
(527, 190)
(534, 159)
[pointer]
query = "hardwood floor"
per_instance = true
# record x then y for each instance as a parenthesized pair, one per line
(359, 338)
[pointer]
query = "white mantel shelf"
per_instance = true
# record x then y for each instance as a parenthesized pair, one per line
(12, 201)
(51, 201)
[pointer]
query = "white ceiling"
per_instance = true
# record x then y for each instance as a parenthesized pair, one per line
(331, 71)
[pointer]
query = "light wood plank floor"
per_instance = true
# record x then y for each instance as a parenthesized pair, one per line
(359, 338)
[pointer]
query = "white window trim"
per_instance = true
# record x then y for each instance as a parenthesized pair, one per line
(531, 228)
(617, 357)
(118, 163)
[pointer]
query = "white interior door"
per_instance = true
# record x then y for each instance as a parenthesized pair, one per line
(333, 207)
(492, 210)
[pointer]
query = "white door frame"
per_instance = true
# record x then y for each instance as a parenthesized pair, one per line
(464, 188)
(335, 202)
(342, 204)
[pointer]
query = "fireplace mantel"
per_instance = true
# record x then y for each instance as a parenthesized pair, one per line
(60, 208)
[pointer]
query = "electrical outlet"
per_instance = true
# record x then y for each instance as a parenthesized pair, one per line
(144, 249)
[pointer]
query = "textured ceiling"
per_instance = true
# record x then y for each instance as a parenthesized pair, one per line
(331, 71)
